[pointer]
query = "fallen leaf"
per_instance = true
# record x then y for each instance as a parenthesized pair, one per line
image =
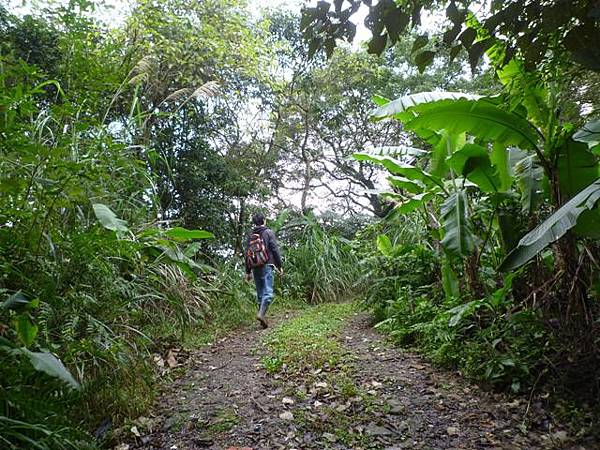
(135, 431)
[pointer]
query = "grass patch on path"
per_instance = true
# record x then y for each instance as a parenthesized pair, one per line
(309, 341)
(308, 360)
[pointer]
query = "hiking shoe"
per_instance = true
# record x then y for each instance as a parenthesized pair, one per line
(262, 320)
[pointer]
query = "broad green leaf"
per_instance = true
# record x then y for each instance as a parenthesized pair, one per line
(413, 203)
(445, 147)
(458, 313)
(589, 134)
(26, 329)
(183, 234)
(414, 187)
(510, 225)
(15, 301)
(109, 219)
(529, 174)
(380, 100)
(51, 365)
(400, 107)
(473, 162)
(419, 42)
(400, 168)
(588, 224)
(458, 237)
(396, 151)
(384, 245)
(424, 59)
(480, 118)
(449, 280)
(553, 228)
(500, 158)
(577, 168)
(525, 89)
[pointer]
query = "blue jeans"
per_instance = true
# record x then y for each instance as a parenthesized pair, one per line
(263, 278)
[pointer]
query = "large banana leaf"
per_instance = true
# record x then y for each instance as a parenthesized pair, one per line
(481, 118)
(529, 174)
(450, 282)
(446, 146)
(458, 237)
(553, 228)
(413, 203)
(400, 168)
(500, 158)
(412, 186)
(590, 133)
(577, 168)
(397, 151)
(398, 108)
(473, 162)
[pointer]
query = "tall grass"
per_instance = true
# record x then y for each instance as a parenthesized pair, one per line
(321, 265)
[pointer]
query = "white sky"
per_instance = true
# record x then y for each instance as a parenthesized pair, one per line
(113, 12)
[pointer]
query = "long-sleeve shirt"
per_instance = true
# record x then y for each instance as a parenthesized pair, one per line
(270, 242)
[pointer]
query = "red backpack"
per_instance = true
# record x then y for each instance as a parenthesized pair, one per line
(257, 254)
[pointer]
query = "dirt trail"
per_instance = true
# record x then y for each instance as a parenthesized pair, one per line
(227, 399)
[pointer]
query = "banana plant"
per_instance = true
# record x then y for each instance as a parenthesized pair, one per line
(550, 155)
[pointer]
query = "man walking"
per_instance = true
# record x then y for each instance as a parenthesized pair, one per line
(262, 257)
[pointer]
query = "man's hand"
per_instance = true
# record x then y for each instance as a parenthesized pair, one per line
(280, 271)
(248, 277)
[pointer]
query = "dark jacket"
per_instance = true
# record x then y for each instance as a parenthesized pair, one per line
(270, 242)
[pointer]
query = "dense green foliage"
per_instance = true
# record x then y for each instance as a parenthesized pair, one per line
(133, 155)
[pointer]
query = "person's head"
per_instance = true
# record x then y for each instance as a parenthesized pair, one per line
(258, 219)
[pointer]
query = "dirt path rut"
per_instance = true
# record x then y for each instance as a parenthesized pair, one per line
(394, 400)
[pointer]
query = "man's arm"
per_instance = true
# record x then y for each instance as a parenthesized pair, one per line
(274, 249)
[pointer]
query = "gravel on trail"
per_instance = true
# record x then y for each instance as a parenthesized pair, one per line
(226, 400)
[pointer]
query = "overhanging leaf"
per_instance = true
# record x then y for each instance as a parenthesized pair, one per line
(500, 158)
(553, 228)
(397, 151)
(424, 59)
(51, 365)
(589, 134)
(400, 168)
(398, 108)
(480, 118)
(109, 219)
(15, 301)
(458, 237)
(529, 174)
(473, 162)
(577, 168)
(414, 187)
(380, 100)
(413, 203)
